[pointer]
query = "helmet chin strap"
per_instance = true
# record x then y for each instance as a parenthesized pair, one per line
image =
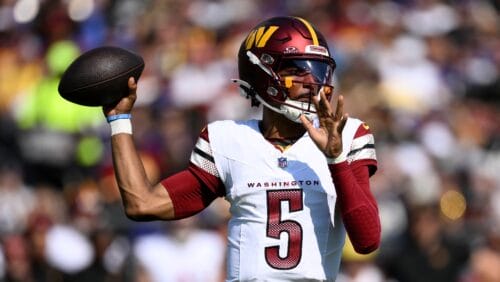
(294, 113)
(291, 113)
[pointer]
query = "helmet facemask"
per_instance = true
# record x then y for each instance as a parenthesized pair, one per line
(307, 77)
(311, 74)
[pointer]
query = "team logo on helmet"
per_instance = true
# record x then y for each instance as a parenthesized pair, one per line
(260, 36)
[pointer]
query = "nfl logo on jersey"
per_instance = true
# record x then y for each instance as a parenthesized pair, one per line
(282, 162)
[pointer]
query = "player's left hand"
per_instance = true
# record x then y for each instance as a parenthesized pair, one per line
(328, 136)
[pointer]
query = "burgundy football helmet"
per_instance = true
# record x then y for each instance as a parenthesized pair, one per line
(274, 53)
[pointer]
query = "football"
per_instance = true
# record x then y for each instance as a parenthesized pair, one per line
(99, 77)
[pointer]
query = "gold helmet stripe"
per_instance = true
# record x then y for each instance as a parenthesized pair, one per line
(311, 31)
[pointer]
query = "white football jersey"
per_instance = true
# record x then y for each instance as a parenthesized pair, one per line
(283, 225)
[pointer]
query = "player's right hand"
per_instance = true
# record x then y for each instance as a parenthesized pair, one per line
(125, 104)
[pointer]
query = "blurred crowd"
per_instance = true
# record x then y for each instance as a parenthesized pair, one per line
(424, 74)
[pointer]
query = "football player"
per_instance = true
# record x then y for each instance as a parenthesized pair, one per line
(296, 180)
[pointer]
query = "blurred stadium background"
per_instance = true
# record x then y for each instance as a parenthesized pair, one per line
(424, 74)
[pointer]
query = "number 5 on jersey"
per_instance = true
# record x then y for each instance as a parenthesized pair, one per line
(276, 226)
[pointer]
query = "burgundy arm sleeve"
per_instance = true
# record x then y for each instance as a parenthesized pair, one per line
(357, 205)
(191, 191)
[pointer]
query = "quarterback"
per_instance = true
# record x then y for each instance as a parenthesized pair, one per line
(297, 180)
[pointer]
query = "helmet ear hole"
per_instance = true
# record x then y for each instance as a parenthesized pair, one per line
(272, 91)
(267, 59)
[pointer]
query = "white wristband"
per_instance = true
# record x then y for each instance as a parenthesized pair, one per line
(121, 126)
(341, 158)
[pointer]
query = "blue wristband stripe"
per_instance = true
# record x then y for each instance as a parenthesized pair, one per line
(120, 116)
